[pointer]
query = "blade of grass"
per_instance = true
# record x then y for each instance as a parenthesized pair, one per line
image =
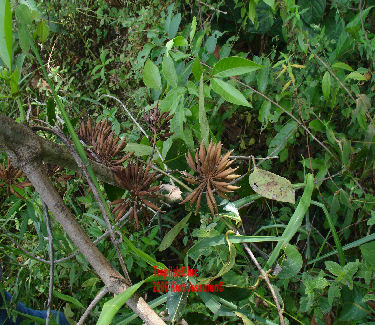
(296, 220)
(333, 230)
(356, 243)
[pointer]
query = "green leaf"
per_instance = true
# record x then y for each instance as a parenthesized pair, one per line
(313, 283)
(111, 307)
(333, 267)
(371, 221)
(229, 263)
(176, 300)
(197, 68)
(151, 75)
(326, 85)
(203, 122)
(264, 113)
(317, 125)
(314, 12)
(142, 255)
(334, 291)
(180, 41)
(367, 251)
(193, 28)
(139, 149)
(263, 76)
(293, 263)
(233, 66)
(24, 39)
(14, 81)
(217, 305)
(42, 31)
(67, 298)
(169, 71)
(200, 247)
(301, 43)
(296, 220)
(342, 65)
(177, 122)
(355, 25)
(171, 100)
(171, 235)
(173, 26)
(271, 3)
(6, 33)
(353, 308)
(252, 12)
(351, 245)
(344, 274)
(51, 111)
(24, 15)
(246, 321)
(113, 192)
(228, 92)
(356, 76)
(271, 186)
(279, 141)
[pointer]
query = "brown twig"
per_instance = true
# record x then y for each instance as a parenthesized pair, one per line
(94, 190)
(362, 23)
(51, 258)
(92, 305)
(25, 152)
(332, 73)
(212, 8)
(266, 278)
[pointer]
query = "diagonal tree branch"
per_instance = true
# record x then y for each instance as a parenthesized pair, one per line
(25, 151)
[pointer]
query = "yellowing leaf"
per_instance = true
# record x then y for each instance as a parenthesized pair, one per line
(282, 71)
(298, 66)
(271, 186)
(286, 86)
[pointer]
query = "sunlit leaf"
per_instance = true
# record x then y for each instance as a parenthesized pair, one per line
(6, 33)
(151, 75)
(233, 66)
(228, 92)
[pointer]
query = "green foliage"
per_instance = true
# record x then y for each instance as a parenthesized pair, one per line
(292, 79)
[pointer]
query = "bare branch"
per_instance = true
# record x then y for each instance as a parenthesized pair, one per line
(25, 151)
(92, 305)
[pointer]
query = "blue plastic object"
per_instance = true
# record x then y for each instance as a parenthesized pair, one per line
(6, 319)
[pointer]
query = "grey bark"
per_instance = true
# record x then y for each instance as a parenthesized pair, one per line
(27, 151)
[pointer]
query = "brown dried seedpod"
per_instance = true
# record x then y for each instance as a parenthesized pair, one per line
(137, 180)
(158, 123)
(213, 174)
(106, 145)
(9, 176)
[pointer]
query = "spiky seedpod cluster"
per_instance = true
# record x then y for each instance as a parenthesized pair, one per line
(105, 144)
(213, 174)
(9, 176)
(137, 180)
(158, 123)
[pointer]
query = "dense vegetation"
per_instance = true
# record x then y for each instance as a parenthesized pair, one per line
(239, 138)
